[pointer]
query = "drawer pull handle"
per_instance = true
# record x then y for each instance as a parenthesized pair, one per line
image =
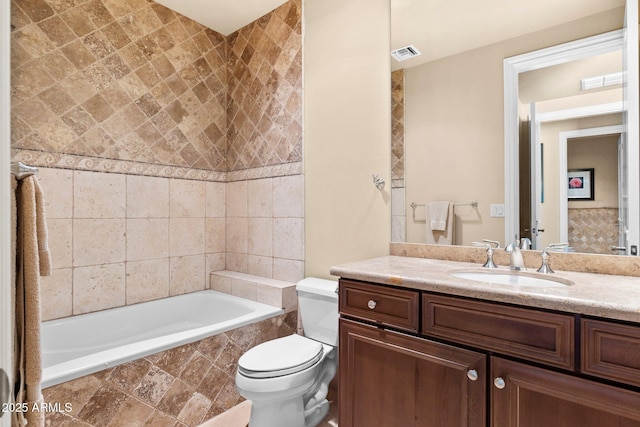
(499, 383)
(472, 374)
(372, 304)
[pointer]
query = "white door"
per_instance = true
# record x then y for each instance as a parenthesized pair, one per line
(5, 212)
(630, 211)
(536, 178)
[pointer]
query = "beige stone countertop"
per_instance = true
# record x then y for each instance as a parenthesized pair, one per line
(601, 295)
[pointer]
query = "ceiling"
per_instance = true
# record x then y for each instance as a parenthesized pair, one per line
(438, 28)
(223, 16)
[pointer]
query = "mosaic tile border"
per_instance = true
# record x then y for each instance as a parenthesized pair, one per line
(98, 164)
(284, 169)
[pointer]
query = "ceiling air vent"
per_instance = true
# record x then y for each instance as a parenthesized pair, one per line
(405, 53)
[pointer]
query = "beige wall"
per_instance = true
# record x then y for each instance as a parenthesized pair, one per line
(347, 131)
(454, 129)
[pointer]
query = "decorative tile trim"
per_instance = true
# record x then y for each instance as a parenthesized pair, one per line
(283, 169)
(97, 164)
(397, 183)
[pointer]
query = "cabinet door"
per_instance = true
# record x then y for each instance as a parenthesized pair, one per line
(388, 379)
(535, 397)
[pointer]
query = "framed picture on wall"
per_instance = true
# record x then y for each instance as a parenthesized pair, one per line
(580, 184)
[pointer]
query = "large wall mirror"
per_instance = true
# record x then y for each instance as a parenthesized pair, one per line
(507, 103)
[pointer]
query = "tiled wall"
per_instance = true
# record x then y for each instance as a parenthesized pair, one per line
(593, 230)
(121, 239)
(398, 199)
(118, 79)
(397, 128)
(181, 387)
(265, 90)
(133, 88)
(265, 227)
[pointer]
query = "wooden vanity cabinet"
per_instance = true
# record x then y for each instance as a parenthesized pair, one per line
(392, 374)
(389, 379)
(535, 397)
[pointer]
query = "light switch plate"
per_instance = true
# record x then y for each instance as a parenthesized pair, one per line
(496, 211)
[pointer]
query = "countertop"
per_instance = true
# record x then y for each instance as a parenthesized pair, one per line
(601, 295)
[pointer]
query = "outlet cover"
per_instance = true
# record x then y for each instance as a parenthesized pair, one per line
(496, 211)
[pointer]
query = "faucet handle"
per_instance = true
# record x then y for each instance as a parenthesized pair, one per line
(553, 246)
(544, 268)
(492, 242)
(489, 247)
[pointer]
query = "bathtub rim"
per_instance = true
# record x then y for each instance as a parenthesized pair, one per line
(106, 359)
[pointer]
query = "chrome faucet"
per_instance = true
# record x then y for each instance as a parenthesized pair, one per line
(516, 261)
(488, 244)
(544, 268)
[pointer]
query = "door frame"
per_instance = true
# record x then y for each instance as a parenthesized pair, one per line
(560, 54)
(563, 138)
(6, 336)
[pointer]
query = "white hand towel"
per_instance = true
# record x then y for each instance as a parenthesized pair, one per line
(438, 213)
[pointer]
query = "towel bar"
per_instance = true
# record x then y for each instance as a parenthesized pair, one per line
(473, 204)
(21, 171)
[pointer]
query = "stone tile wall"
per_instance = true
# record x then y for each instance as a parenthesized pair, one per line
(265, 227)
(181, 387)
(143, 99)
(593, 230)
(118, 79)
(122, 239)
(398, 199)
(397, 128)
(265, 90)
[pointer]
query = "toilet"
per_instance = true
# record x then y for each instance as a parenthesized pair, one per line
(287, 379)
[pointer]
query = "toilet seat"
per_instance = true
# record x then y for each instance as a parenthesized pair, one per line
(279, 357)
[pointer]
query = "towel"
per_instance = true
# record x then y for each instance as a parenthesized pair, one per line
(438, 212)
(440, 236)
(33, 261)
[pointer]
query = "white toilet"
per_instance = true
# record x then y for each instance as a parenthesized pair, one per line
(287, 379)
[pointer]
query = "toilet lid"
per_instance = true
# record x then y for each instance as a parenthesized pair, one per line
(282, 356)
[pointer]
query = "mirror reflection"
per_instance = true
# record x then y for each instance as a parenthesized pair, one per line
(448, 141)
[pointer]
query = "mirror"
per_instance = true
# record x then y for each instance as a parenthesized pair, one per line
(448, 110)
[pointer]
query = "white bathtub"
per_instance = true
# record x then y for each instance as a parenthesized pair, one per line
(80, 345)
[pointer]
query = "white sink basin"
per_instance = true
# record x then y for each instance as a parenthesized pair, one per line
(511, 278)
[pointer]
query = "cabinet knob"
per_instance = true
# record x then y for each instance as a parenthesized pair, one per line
(472, 374)
(371, 304)
(499, 383)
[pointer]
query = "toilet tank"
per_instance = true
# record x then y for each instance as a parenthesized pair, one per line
(318, 309)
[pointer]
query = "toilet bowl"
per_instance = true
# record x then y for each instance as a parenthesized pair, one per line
(287, 379)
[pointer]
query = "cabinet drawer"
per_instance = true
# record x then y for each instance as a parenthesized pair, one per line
(611, 351)
(534, 335)
(387, 306)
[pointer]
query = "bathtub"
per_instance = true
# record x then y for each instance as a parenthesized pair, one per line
(80, 345)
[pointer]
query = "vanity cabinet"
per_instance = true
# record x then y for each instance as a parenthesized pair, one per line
(527, 396)
(389, 379)
(415, 358)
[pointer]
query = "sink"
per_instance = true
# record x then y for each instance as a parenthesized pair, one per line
(507, 277)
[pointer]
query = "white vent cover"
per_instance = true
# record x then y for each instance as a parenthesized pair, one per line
(405, 53)
(601, 81)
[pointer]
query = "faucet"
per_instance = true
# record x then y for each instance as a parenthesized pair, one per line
(516, 261)
(488, 244)
(525, 243)
(544, 268)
